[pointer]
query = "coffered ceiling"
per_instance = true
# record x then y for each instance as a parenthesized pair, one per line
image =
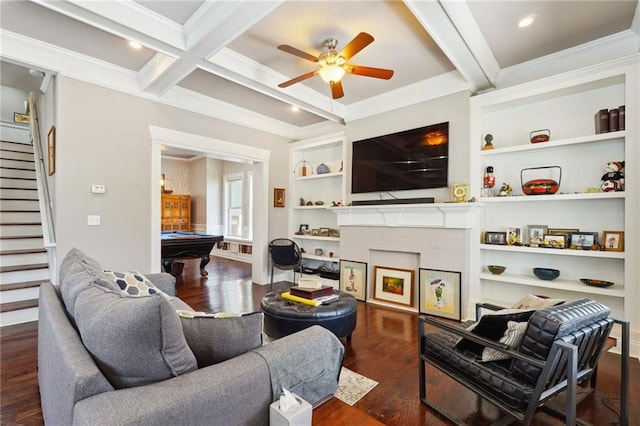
(221, 58)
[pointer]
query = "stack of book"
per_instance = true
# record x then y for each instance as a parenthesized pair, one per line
(311, 296)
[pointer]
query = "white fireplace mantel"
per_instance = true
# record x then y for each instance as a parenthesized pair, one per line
(436, 215)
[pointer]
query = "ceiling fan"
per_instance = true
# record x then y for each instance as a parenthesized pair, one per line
(334, 66)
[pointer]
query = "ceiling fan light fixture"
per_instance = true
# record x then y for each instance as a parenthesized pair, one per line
(331, 73)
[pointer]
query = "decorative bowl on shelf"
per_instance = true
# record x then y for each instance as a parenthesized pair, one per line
(496, 269)
(546, 274)
(540, 186)
(538, 136)
(596, 283)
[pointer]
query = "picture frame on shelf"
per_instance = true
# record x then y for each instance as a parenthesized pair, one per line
(315, 232)
(323, 232)
(393, 285)
(613, 240)
(554, 241)
(496, 238)
(514, 236)
(21, 118)
(535, 234)
(278, 197)
(353, 278)
(334, 233)
(304, 229)
(583, 241)
(440, 293)
(562, 231)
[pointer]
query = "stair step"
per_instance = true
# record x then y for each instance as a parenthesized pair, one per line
(22, 276)
(16, 146)
(18, 317)
(18, 305)
(17, 164)
(22, 257)
(8, 230)
(19, 205)
(21, 285)
(18, 194)
(20, 183)
(16, 268)
(35, 242)
(17, 173)
(9, 154)
(11, 217)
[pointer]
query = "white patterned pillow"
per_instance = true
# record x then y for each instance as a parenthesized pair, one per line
(512, 336)
(134, 284)
(531, 301)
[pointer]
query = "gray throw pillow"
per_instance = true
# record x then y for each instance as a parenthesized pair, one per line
(133, 340)
(77, 272)
(215, 339)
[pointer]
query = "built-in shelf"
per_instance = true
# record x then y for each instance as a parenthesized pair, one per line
(314, 207)
(321, 258)
(318, 176)
(552, 144)
(555, 197)
(616, 290)
(555, 252)
(314, 237)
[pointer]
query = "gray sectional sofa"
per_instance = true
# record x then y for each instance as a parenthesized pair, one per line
(110, 354)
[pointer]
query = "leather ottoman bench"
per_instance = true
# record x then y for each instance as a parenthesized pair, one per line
(283, 317)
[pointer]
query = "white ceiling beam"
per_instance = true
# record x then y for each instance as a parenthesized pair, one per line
(128, 20)
(433, 17)
(253, 75)
(224, 22)
(463, 20)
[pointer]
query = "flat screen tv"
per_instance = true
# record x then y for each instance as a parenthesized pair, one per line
(410, 159)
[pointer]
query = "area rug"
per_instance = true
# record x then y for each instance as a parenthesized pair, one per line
(352, 386)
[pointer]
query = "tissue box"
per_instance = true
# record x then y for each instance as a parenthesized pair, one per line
(297, 416)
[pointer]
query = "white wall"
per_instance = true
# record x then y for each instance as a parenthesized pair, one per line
(103, 138)
(12, 101)
(453, 108)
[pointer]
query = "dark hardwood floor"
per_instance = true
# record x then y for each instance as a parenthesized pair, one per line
(384, 348)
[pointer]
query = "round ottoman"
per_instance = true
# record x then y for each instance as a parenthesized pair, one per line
(282, 317)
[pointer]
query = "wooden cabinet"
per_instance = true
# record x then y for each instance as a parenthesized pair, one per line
(176, 212)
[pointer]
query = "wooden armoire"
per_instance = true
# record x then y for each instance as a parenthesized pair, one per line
(176, 212)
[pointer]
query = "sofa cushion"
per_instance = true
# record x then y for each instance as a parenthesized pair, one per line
(77, 272)
(512, 337)
(134, 283)
(134, 340)
(493, 326)
(214, 338)
(531, 301)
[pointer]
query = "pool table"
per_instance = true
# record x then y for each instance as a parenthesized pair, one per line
(180, 245)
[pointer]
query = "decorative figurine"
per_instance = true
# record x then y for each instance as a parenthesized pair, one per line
(487, 142)
(505, 190)
(302, 203)
(488, 183)
(613, 179)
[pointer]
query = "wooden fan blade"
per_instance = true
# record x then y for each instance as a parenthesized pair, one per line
(370, 72)
(298, 79)
(297, 52)
(360, 41)
(336, 89)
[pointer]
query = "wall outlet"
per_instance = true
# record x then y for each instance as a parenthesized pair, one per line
(98, 189)
(93, 220)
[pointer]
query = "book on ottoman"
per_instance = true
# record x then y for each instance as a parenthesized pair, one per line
(311, 293)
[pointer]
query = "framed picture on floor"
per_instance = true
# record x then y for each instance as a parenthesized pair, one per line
(393, 285)
(440, 293)
(353, 278)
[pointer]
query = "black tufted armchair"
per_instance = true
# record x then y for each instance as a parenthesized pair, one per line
(559, 350)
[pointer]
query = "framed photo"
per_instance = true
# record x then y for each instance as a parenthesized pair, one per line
(278, 197)
(584, 240)
(554, 241)
(514, 236)
(51, 150)
(499, 238)
(315, 232)
(562, 231)
(323, 232)
(393, 285)
(353, 278)
(20, 118)
(613, 240)
(535, 234)
(440, 293)
(335, 233)
(304, 229)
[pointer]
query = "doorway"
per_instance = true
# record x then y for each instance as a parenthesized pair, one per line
(223, 150)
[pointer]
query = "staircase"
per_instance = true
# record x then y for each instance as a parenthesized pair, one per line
(23, 258)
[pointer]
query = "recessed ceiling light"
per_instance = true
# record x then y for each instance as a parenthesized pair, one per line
(527, 20)
(135, 44)
(295, 108)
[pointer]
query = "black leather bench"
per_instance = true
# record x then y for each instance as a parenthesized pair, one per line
(283, 317)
